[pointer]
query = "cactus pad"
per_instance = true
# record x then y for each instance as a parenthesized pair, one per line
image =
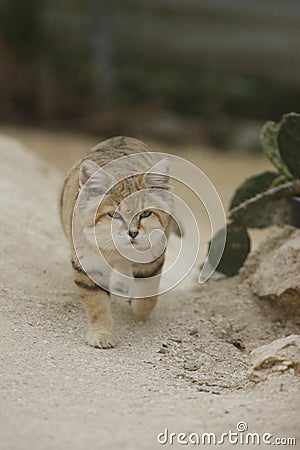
(269, 143)
(289, 142)
(251, 187)
(268, 208)
(236, 249)
(271, 198)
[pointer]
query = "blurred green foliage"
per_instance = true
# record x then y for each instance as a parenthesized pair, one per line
(21, 27)
(192, 90)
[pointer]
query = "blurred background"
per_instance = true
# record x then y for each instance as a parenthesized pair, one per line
(189, 74)
(196, 78)
(179, 70)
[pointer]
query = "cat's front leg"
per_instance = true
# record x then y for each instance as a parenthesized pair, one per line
(143, 307)
(120, 278)
(101, 333)
(97, 305)
(95, 299)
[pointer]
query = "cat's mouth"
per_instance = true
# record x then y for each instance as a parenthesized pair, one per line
(142, 246)
(136, 244)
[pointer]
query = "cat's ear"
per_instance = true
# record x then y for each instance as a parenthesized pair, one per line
(99, 183)
(159, 175)
(87, 169)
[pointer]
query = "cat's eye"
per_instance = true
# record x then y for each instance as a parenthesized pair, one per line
(145, 214)
(115, 215)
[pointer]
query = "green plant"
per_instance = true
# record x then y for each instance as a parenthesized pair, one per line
(264, 199)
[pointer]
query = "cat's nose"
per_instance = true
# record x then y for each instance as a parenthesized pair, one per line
(133, 233)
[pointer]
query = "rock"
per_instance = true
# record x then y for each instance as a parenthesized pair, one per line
(273, 270)
(278, 356)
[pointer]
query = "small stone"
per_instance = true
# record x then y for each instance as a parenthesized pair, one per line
(162, 350)
(191, 366)
(278, 356)
(194, 332)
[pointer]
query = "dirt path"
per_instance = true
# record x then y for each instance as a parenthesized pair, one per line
(182, 370)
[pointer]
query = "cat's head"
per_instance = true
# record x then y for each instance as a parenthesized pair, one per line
(129, 214)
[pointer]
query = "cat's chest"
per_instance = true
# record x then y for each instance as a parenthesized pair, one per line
(113, 274)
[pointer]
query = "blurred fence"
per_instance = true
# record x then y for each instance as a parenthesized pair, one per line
(61, 57)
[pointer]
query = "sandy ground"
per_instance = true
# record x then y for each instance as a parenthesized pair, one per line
(184, 370)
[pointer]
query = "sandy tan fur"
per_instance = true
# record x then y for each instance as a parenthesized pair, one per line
(95, 298)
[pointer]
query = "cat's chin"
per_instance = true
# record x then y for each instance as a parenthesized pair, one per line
(141, 247)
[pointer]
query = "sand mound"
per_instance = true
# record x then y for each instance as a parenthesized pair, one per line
(33, 247)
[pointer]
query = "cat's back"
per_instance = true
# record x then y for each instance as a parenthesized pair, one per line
(115, 148)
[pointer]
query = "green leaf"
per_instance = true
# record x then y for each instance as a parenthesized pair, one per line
(236, 249)
(269, 143)
(251, 187)
(289, 142)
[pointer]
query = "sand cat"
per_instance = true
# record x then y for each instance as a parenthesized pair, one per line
(118, 201)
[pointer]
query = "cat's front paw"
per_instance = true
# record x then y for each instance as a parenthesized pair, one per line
(103, 338)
